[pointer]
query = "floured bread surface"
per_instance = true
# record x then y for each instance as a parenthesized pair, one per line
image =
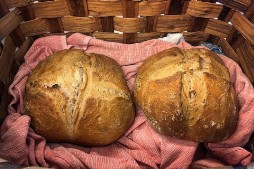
(80, 98)
(187, 94)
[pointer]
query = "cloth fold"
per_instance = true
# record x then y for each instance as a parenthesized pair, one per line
(140, 146)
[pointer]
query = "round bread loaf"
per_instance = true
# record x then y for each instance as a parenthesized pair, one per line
(187, 94)
(79, 98)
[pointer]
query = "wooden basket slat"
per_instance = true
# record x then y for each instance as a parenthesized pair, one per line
(19, 3)
(174, 23)
(248, 53)
(34, 27)
(227, 49)
(130, 10)
(129, 25)
(150, 8)
(79, 24)
(151, 23)
(85, 5)
(6, 59)
(203, 9)
(218, 28)
(141, 37)
(9, 22)
(244, 26)
(242, 56)
(76, 7)
(27, 12)
(50, 9)
(195, 37)
(240, 5)
(177, 7)
(55, 25)
(107, 36)
(101, 8)
(19, 55)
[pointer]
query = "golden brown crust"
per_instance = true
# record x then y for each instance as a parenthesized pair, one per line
(79, 98)
(191, 90)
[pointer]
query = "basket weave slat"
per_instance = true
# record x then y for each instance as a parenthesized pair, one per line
(203, 9)
(101, 8)
(244, 26)
(147, 8)
(34, 27)
(19, 3)
(227, 49)
(174, 23)
(51, 9)
(245, 60)
(9, 22)
(218, 28)
(130, 10)
(6, 59)
(196, 37)
(240, 5)
(129, 25)
(79, 24)
(20, 53)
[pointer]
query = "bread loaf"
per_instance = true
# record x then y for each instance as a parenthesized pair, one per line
(79, 98)
(187, 94)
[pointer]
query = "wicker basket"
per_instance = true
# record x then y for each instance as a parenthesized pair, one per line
(228, 23)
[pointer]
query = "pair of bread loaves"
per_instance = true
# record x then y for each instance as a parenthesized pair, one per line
(82, 98)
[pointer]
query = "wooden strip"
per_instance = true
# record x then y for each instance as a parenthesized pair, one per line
(247, 69)
(76, 7)
(79, 24)
(19, 55)
(50, 9)
(19, 3)
(248, 53)
(177, 7)
(173, 23)
(101, 8)
(85, 7)
(55, 25)
(129, 25)
(244, 26)
(27, 12)
(106, 24)
(249, 11)
(6, 59)
(141, 37)
(224, 13)
(151, 23)
(9, 22)
(218, 28)
(203, 9)
(5, 99)
(228, 50)
(195, 37)
(241, 6)
(111, 37)
(34, 27)
(152, 8)
(168, 7)
(16, 35)
(130, 10)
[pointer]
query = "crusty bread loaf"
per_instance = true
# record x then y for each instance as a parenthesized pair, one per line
(80, 98)
(187, 94)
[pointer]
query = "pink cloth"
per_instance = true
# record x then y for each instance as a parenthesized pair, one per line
(141, 146)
